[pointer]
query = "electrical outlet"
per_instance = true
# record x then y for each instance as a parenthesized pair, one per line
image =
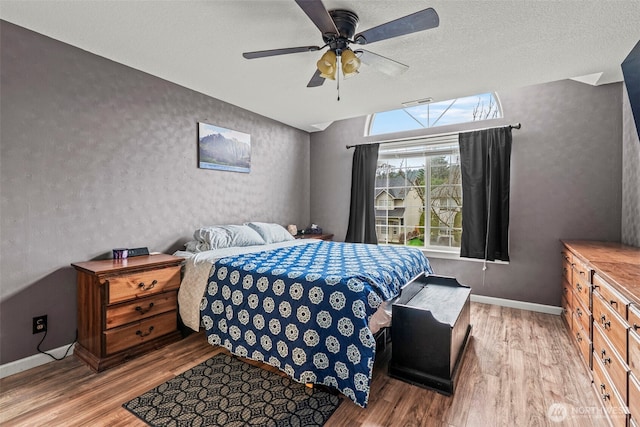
(40, 324)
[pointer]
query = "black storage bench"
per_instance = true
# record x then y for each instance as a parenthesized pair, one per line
(429, 331)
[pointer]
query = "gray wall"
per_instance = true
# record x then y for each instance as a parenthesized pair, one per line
(565, 183)
(630, 176)
(96, 155)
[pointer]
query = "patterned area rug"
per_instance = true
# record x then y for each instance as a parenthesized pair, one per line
(224, 391)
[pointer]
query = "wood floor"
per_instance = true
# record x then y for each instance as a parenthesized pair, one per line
(518, 364)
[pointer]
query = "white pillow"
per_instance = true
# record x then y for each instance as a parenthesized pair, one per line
(271, 233)
(227, 236)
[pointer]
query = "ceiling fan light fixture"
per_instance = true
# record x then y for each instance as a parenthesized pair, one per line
(327, 65)
(350, 63)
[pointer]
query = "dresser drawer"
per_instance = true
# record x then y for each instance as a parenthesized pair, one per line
(613, 326)
(581, 338)
(582, 315)
(567, 313)
(127, 336)
(126, 287)
(610, 295)
(634, 397)
(581, 272)
(634, 352)
(567, 291)
(611, 361)
(567, 259)
(581, 282)
(121, 314)
(633, 317)
(615, 407)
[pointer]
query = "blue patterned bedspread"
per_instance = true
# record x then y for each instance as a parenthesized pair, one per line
(305, 309)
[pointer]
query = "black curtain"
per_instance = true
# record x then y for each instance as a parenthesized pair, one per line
(362, 214)
(485, 161)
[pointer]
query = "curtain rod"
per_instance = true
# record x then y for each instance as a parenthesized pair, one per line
(516, 126)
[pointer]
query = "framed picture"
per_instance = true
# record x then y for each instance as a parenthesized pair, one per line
(223, 149)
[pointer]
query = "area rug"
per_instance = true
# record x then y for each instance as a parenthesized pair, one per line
(225, 391)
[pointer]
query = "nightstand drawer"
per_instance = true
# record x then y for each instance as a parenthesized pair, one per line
(141, 284)
(128, 336)
(133, 311)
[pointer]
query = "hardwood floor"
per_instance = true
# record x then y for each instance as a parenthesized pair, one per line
(517, 365)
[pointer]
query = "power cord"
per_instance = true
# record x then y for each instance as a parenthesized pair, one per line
(51, 355)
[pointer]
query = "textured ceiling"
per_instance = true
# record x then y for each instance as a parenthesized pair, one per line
(479, 46)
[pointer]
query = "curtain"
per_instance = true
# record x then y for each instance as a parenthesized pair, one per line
(485, 162)
(362, 214)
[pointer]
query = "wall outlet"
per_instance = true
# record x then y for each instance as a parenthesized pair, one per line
(40, 324)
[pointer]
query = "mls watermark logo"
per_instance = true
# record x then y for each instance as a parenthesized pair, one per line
(557, 412)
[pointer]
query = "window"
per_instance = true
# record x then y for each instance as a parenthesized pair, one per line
(460, 110)
(419, 193)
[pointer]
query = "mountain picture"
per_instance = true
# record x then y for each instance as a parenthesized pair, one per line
(223, 149)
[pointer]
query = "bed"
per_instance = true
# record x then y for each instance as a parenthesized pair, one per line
(308, 307)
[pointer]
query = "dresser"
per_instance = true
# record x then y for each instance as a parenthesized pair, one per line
(601, 308)
(126, 307)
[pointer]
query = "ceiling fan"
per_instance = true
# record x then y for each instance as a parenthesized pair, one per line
(338, 28)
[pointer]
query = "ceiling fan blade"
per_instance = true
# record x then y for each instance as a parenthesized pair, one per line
(316, 11)
(381, 63)
(274, 52)
(419, 21)
(316, 80)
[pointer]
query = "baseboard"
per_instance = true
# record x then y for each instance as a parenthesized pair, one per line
(531, 306)
(32, 361)
(40, 359)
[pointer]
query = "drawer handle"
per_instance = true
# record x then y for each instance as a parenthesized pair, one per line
(142, 334)
(606, 396)
(144, 287)
(603, 352)
(578, 287)
(582, 273)
(142, 310)
(578, 337)
(606, 360)
(636, 327)
(596, 286)
(611, 302)
(607, 324)
(579, 312)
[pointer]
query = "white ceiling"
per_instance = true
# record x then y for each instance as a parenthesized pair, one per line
(479, 46)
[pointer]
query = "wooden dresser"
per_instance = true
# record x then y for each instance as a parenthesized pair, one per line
(601, 307)
(126, 307)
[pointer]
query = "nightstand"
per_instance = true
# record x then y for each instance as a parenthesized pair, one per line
(126, 308)
(323, 236)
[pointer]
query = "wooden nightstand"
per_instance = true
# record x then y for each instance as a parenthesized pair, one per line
(323, 236)
(126, 308)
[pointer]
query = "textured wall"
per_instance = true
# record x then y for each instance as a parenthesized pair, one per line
(565, 183)
(630, 176)
(96, 155)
